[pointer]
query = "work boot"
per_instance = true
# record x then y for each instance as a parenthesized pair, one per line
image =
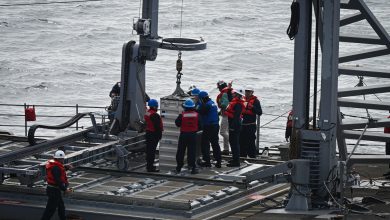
(194, 170)
(178, 169)
(205, 164)
(218, 164)
(225, 152)
(233, 164)
(153, 169)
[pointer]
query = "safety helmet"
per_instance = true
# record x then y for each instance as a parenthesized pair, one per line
(203, 94)
(249, 88)
(153, 103)
(59, 154)
(239, 92)
(221, 84)
(192, 87)
(189, 103)
(195, 92)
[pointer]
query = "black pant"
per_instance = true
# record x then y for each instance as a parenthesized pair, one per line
(388, 149)
(186, 140)
(210, 135)
(152, 139)
(54, 201)
(234, 135)
(248, 141)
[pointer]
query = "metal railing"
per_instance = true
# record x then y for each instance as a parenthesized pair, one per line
(49, 109)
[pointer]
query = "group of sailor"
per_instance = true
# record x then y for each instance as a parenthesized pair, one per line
(238, 110)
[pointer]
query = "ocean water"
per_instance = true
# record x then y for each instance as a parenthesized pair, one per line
(68, 54)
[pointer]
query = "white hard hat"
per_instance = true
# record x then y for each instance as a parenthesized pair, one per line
(239, 91)
(249, 88)
(59, 154)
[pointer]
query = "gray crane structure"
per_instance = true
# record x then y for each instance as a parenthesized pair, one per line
(317, 155)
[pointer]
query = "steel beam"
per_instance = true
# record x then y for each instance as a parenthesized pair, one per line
(349, 19)
(381, 51)
(374, 136)
(371, 124)
(366, 104)
(361, 39)
(358, 71)
(369, 159)
(364, 90)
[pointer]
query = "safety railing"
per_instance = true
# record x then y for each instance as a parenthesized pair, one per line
(15, 115)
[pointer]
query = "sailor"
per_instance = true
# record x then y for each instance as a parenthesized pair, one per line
(248, 131)
(154, 128)
(289, 126)
(210, 121)
(223, 99)
(195, 93)
(57, 181)
(116, 89)
(234, 115)
(189, 123)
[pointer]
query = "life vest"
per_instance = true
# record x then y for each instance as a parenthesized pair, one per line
(149, 123)
(289, 119)
(230, 109)
(211, 117)
(189, 122)
(49, 175)
(387, 129)
(223, 91)
(248, 110)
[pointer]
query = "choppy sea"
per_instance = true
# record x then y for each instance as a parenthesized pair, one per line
(68, 54)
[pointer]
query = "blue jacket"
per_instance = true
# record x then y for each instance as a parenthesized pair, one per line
(209, 113)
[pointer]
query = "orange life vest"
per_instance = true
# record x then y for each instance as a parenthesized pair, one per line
(387, 129)
(248, 110)
(289, 119)
(149, 123)
(49, 176)
(189, 122)
(230, 109)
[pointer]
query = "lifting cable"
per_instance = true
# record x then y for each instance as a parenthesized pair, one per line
(292, 29)
(181, 16)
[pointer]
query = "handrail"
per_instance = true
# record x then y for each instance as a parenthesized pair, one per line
(76, 108)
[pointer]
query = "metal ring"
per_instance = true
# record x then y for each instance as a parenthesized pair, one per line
(185, 44)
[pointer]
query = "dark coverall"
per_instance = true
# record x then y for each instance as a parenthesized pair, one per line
(55, 197)
(187, 140)
(387, 131)
(234, 134)
(248, 131)
(210, 121)
(152, 139)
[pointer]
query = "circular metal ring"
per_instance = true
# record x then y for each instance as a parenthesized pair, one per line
(185, 44)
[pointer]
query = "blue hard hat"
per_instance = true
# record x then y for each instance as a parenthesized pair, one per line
(195, 92)
(203, 94)
(153, 103)
(189, 103)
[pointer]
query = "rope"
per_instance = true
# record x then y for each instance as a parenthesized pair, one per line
(181, 16)
(48, 3)
(292, 29)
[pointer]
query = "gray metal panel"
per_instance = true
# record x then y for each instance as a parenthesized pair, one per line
(371, 124)
(356, 103)
(302, 64)
(349, 19)
(363, 90)
(360, 39)
(381, 51)
(150, 11)
(374, 136)
(357, 71)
